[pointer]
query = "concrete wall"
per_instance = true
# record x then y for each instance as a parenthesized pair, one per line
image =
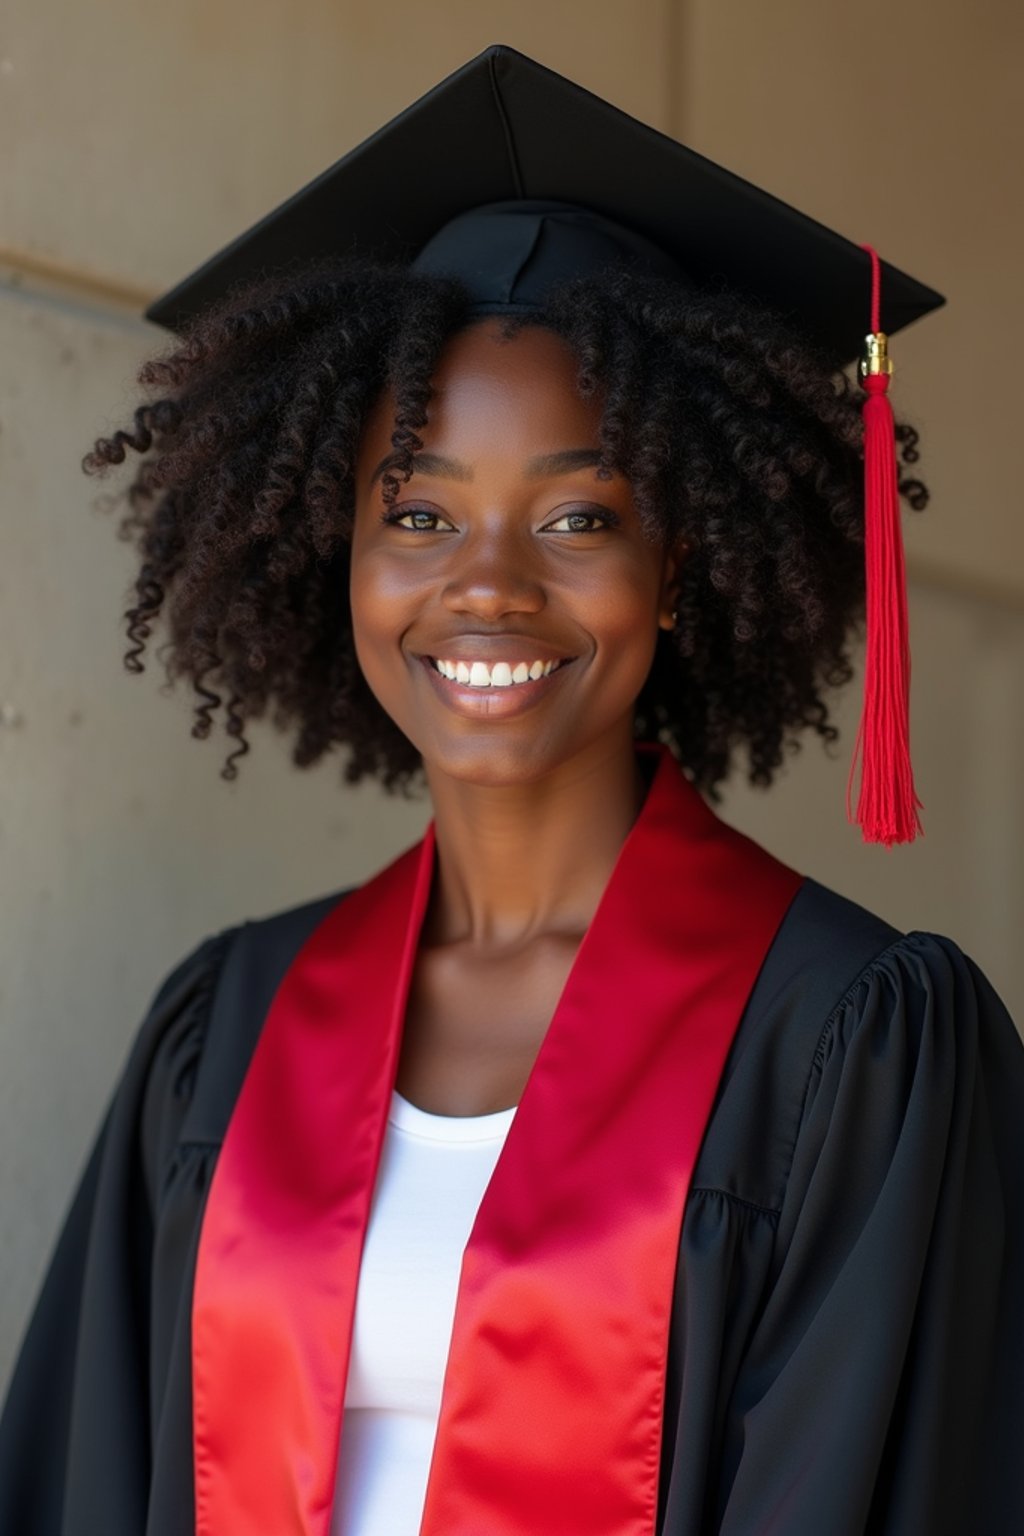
(136, 141)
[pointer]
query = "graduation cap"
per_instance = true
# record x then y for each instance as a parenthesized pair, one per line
(511, 177)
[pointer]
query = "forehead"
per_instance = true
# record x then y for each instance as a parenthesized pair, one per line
(492, 394)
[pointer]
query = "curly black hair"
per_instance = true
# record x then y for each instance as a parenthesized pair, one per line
(738, 436)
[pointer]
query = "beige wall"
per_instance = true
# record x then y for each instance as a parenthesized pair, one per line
(135, 142)
(900, 125)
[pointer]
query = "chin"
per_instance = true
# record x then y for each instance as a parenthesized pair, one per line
(495, 763)
(505, 758)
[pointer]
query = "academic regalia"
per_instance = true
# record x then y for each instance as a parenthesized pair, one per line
(846, 1334)
(751, 1256)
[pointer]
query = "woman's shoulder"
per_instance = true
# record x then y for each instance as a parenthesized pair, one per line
(205, 1018)
(844, 995)
(246, 950)
(833, 950)
(840, 953)
(191, 1047)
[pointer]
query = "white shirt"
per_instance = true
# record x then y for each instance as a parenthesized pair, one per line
(433, 1172)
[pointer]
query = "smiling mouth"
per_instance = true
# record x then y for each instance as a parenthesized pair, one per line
(499, 674)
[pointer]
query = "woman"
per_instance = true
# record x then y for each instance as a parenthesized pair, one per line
(750, 1257)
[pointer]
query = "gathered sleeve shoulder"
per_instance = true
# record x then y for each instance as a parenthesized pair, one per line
(882, 1389)
(76, 1412)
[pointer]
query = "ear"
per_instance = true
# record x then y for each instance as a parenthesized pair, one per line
(675, 558)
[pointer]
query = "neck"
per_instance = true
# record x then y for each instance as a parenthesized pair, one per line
(519, 860)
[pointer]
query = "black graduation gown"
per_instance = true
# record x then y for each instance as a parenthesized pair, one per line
(846, 1351)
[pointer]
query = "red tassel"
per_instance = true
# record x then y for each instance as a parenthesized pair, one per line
(887, 806)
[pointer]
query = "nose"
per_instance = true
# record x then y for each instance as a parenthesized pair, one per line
(494, 574)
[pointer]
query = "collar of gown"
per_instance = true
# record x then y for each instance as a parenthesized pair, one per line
(551, 1414)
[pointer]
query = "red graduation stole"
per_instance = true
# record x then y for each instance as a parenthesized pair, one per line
(552, 1408)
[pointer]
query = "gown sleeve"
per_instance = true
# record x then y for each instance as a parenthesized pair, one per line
(882, 1389)
(76, 1413)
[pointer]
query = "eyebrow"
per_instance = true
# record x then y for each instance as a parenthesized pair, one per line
(451, 469)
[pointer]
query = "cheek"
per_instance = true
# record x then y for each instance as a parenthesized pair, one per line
(622, 614)
(380, 588)
(380, 613)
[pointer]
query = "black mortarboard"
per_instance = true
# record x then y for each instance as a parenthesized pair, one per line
(504, 127)
(512, 177)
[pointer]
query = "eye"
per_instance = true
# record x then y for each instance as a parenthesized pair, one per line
(582, 520)
(416, 519)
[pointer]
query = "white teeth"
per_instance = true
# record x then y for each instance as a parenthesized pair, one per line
(501, 675)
